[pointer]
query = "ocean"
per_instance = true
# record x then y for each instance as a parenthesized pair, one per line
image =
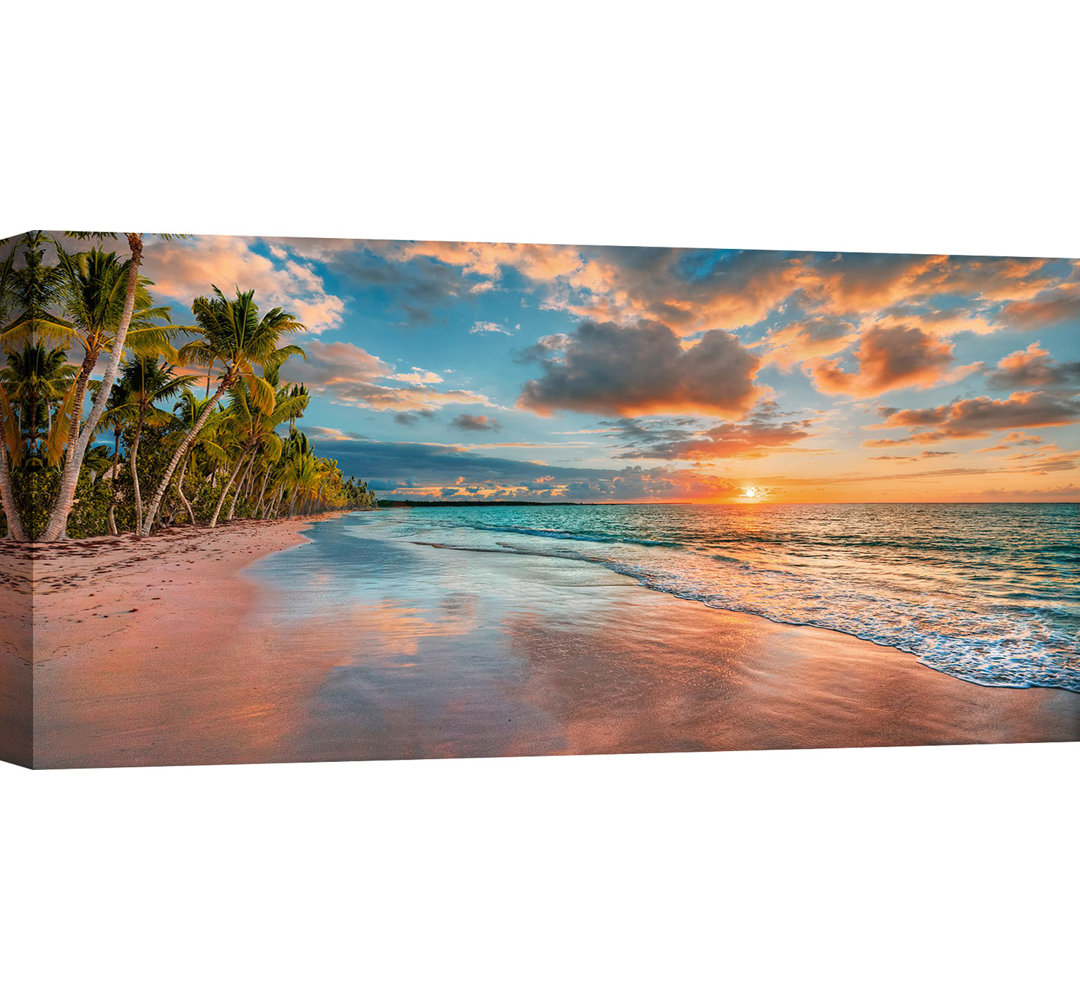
(985, 592)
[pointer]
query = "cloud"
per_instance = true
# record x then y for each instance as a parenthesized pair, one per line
(350, 375)
(432, 471)
(909, 458)
(943, 322)
(538, 262)
(641, 369)
(888, 358)
(688, 290)
(807, 339)
(1013, 438)
(1069, 493)
(1032, 367)
(1058, 306)
(409, 417)
(1053, 460)
(1019, 437)
(752, 439)
(467, 422)
(968, 418)
(484, 326)
(184, 269)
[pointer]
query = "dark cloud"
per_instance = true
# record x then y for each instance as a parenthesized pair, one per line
(642, 369)
(410, 417)
(417, 287)
(467, 422)
(641, 432)
(1033, 367)
(1048, 309)
(751, 439)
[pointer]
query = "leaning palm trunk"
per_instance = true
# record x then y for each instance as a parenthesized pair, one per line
(155, 503)
(262, 493)
(15, 530)
(276, 505)
(225, 492)
(78, 398)
(239, 489)
(112, 497)
(65, 497)
(134, 468)
(180, 490)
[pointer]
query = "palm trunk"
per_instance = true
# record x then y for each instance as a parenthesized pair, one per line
(180, 490)
(15, 530)
(262, 492)
(225, 492)
(85, 371)
(134, 469)
(112, 498)
(243, 480)
(57, 526)
(151, 513)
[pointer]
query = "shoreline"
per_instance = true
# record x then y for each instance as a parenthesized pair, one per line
(195, 592)
(190, 647)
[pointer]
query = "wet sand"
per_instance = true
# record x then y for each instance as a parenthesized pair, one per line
(244, 645)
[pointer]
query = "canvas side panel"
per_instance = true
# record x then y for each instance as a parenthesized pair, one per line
(16, 655)
(16, 612)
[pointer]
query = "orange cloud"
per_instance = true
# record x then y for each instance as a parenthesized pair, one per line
(806, 340)
(752, 439)
(184, 269)
(351, 375)
(979, 416)
(888, 358)
(1049, 309)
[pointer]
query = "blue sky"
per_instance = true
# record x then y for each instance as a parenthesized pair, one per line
(603, 373)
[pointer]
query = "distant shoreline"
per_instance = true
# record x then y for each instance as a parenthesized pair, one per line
(384, 504)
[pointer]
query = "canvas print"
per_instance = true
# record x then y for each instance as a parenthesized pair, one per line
(294, 499)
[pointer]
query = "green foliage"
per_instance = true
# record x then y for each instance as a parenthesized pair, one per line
(57, 319)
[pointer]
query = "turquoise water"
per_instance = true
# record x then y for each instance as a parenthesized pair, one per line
(986, 592)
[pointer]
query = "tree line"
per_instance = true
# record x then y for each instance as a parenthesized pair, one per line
(152, 422)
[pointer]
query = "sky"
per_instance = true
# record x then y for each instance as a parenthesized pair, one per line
(597, 374)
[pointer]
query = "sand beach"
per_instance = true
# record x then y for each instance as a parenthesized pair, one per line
(304, 640)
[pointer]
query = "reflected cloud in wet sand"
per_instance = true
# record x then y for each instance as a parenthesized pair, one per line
(513, 655)
(355, 648)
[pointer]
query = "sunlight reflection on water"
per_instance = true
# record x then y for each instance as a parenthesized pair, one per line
(986, 592)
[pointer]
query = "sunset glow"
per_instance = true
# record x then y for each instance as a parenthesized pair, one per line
(596, 374)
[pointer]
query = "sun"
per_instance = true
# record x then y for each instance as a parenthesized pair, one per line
(751, 493)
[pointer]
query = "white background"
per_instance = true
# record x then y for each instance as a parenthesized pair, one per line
(929, 872)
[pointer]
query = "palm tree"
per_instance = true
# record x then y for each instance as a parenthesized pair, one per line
(255, 428)
(189, 410)
(233, 335)
(145, 381)
(117, 415)
(10, 442)
(103, 296)
(28, 288)
(36, 378)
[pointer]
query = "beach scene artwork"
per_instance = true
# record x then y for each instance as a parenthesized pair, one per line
(272, 499)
